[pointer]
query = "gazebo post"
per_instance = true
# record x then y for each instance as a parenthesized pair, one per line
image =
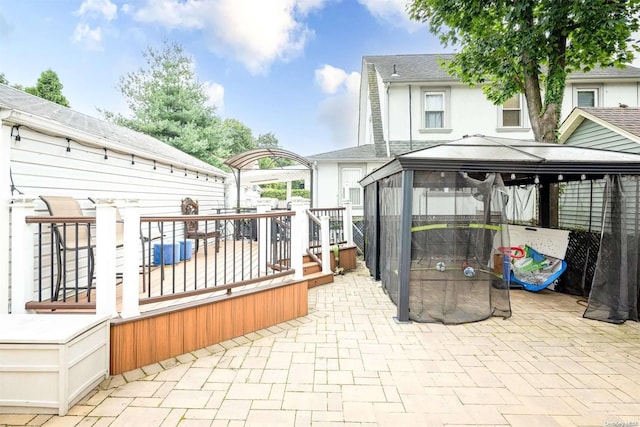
(404, 253)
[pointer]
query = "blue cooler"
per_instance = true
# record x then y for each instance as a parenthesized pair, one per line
(171, 253)
(186, 250)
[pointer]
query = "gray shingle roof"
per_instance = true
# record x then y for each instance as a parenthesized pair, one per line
(15, 99)
(627, 119)
(426, 68)
(368, 152)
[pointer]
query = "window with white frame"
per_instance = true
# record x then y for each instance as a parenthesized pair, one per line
(511, 112)
(434, 110)
(586, 97)
(351, 188)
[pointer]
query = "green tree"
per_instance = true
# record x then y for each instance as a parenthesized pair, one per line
(269, 140)
(237, 137)
(49, 87)
(529, 46)
(167, 102)
(3, 79)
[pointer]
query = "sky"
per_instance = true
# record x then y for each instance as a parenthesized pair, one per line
(289, 67)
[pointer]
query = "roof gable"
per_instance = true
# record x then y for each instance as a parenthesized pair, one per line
(624, 121)
(48, 115)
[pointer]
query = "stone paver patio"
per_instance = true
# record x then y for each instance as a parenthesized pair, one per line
(349, 364)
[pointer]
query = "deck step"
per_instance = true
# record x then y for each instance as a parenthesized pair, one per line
(310, 268)
(319, 278)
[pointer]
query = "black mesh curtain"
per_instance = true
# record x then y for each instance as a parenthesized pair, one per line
(458, 225)
(390, 208)
(370, 228)
(614, 291)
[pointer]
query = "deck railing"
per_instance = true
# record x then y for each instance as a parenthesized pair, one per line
(252, 249)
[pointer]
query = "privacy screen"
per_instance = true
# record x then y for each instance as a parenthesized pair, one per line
(459, 246)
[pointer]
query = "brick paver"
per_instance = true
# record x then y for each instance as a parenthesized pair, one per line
(349, 363)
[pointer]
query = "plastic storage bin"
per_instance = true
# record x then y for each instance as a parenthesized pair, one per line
(186, 250)
(171, 253)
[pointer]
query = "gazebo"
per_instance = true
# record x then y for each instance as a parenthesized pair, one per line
(431, 213)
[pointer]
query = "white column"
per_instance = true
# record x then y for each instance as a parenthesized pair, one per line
(299, 229)
(347, 222)
(264, 234)
(131, 246)
(325, 247)
(6, 142)
(22, 256)
(288, 190)
(105, 257)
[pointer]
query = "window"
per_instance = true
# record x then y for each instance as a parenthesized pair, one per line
(586, 97)
(351, 188)
(512, 112)
(434, 110)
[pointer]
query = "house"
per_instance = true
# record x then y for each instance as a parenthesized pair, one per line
(48, 149)
(408, 102)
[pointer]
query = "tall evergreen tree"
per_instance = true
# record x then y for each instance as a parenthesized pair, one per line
(167, 102)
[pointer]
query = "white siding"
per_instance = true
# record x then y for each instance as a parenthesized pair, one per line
(41, 165)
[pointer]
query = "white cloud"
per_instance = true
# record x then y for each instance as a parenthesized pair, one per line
(393, 12)
(256, 33)
(90, 39)
(332, 79)
(98, 8)
(339, 111)
(215, 94)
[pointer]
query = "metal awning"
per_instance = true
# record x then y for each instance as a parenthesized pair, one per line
(244, 164)
(248, 158)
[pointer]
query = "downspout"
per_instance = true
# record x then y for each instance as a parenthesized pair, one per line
(388, 121)
(410, 124)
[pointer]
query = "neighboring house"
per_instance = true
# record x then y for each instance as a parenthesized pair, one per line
(614, 129)
(48, 149)
(409, 102)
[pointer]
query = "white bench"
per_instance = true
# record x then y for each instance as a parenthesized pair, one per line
(48, 362)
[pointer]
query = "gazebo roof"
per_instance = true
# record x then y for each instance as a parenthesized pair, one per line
(247, 158)
(518, 161)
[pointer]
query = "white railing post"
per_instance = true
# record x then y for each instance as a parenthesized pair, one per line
(264, 234)
(347, 222)
(105, 258)
(324, 245)
(130, 273)
(299, 229)
(22, 256)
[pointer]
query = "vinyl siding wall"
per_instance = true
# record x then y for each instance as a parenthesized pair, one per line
(41, 165)
(581, 203)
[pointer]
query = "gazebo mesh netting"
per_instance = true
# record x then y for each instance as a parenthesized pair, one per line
(459, 245)
(614, 290)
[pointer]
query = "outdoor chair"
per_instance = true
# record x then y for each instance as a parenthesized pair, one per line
(191, 228)
(69, 238)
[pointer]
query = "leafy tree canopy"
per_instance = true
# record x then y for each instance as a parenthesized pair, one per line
(269, 140)
(529, 46)
(237, 138)
(167, 102)
(49, 87)
(3, 79)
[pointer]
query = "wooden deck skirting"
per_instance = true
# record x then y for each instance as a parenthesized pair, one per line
(162, 334)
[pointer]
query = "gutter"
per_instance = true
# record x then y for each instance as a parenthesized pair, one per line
(54, 128)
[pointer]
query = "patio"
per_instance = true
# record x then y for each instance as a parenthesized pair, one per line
(348, 363)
